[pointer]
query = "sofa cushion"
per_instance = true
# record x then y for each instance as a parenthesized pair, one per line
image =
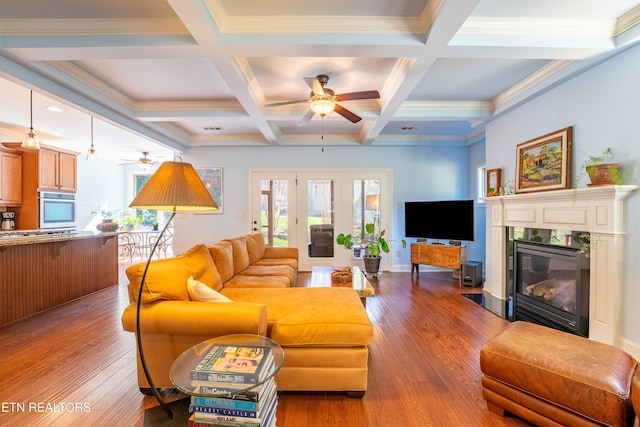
(291, 262)
(167, 278)
(222, 254)
(311, 317)
(241, 281)
(270, 270)
(255, 247)
(240, 254)
(198, 291)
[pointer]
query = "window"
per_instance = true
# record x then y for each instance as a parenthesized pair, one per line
(482, 183)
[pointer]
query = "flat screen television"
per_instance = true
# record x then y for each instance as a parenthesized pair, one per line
(444, 219)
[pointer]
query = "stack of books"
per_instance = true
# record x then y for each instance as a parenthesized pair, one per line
(226, 372)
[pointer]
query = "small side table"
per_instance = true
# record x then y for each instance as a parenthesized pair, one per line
(180, 373)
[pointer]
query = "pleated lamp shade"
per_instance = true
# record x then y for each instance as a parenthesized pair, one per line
(175, 187)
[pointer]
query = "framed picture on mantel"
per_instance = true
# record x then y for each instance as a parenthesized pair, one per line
(493, 182)
(544, 163)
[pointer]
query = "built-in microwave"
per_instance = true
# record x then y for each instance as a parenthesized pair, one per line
(57, 211)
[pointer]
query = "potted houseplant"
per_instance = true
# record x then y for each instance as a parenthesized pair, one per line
(374, 243)
(601, 170)
(107, 219)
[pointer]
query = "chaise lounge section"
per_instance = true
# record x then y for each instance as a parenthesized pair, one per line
(324, 332)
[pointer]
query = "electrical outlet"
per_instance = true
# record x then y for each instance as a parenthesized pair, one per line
(398, 254)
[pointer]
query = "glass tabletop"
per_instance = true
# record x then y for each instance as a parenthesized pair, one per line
(227, 365)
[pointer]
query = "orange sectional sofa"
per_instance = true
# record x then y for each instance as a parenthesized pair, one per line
(324, 332)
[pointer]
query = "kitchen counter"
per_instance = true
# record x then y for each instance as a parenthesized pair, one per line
(39, 271)
(28, 237)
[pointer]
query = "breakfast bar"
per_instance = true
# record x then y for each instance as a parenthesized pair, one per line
(39, 271)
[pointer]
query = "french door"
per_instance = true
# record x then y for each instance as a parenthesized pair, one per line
(307, 209)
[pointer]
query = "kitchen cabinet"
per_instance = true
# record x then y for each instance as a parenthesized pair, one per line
(10, 178)
(57, 170)
(46, 169)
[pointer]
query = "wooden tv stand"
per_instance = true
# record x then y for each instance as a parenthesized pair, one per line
(447, 256)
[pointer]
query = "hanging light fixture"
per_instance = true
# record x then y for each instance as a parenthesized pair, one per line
(30, 140)
(91, 154)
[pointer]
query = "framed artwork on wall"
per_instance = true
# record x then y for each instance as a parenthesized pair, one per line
(493, 182)
(212, 179)
(544, 163)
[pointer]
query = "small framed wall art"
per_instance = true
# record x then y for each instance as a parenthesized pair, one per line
(212, 179)
(544, 163)
(493, 182)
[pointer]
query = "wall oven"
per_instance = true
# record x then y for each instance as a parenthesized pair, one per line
(57, 211)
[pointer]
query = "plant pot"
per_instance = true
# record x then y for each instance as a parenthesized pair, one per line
(107, 225)
(372, 265)
(603, 174)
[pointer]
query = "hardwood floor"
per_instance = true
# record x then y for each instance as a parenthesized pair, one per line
(74, 365)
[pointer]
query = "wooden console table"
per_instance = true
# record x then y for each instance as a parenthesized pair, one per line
(447, 256)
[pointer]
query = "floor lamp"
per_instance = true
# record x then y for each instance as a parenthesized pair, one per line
(174, 187)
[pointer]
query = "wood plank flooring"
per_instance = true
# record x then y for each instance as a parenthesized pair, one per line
(74, 365)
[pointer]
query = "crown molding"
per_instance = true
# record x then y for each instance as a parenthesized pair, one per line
(628, 20)
(528, 83)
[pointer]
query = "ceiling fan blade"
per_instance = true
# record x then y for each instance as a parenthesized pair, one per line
(367, 94)
(352, 117)
(306, 118)
(277, 104)
(315, 85)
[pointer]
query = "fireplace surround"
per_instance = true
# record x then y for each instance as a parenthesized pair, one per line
(595, 210)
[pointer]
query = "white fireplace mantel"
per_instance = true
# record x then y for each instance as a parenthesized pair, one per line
(597, 210)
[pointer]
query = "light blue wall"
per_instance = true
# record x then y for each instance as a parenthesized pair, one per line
(603, 106)
(100, 183)
(476, 251)
(419, 173)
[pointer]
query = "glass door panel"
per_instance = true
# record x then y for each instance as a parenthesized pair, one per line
(271, 212)
(320, 202)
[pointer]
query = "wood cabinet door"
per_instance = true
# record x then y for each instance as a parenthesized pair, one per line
(48, 169)
(10, 179)
(67, 172)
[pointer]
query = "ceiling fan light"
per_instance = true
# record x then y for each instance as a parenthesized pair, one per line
(322, 104)
(145, 164)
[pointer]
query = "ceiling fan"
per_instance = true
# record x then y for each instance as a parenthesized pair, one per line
(145, 162)
(324, 100)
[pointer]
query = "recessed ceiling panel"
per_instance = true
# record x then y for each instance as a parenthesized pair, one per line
(218, 126)
(282, 79)
(178, 79)
(403, 8)
(85, 9)
(440, 128)
(472, 79)
(554, 9)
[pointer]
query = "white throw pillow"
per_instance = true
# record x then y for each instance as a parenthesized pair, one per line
(198, 291)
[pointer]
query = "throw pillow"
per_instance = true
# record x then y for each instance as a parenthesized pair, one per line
(198, 291)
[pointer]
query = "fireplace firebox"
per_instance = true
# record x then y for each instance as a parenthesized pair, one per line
(551, 286)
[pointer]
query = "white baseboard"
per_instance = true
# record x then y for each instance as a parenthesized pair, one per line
(633, 348)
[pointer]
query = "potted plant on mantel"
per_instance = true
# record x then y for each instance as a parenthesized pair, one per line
(375, 244)
(601, 170)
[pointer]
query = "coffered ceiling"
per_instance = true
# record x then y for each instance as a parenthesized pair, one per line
(167, 75)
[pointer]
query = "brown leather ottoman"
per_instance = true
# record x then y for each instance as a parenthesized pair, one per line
(553, 378)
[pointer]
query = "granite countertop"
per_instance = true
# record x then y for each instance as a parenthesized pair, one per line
(28, 237)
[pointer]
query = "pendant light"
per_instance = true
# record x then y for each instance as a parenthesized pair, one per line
(91, 154)
(30, 140)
